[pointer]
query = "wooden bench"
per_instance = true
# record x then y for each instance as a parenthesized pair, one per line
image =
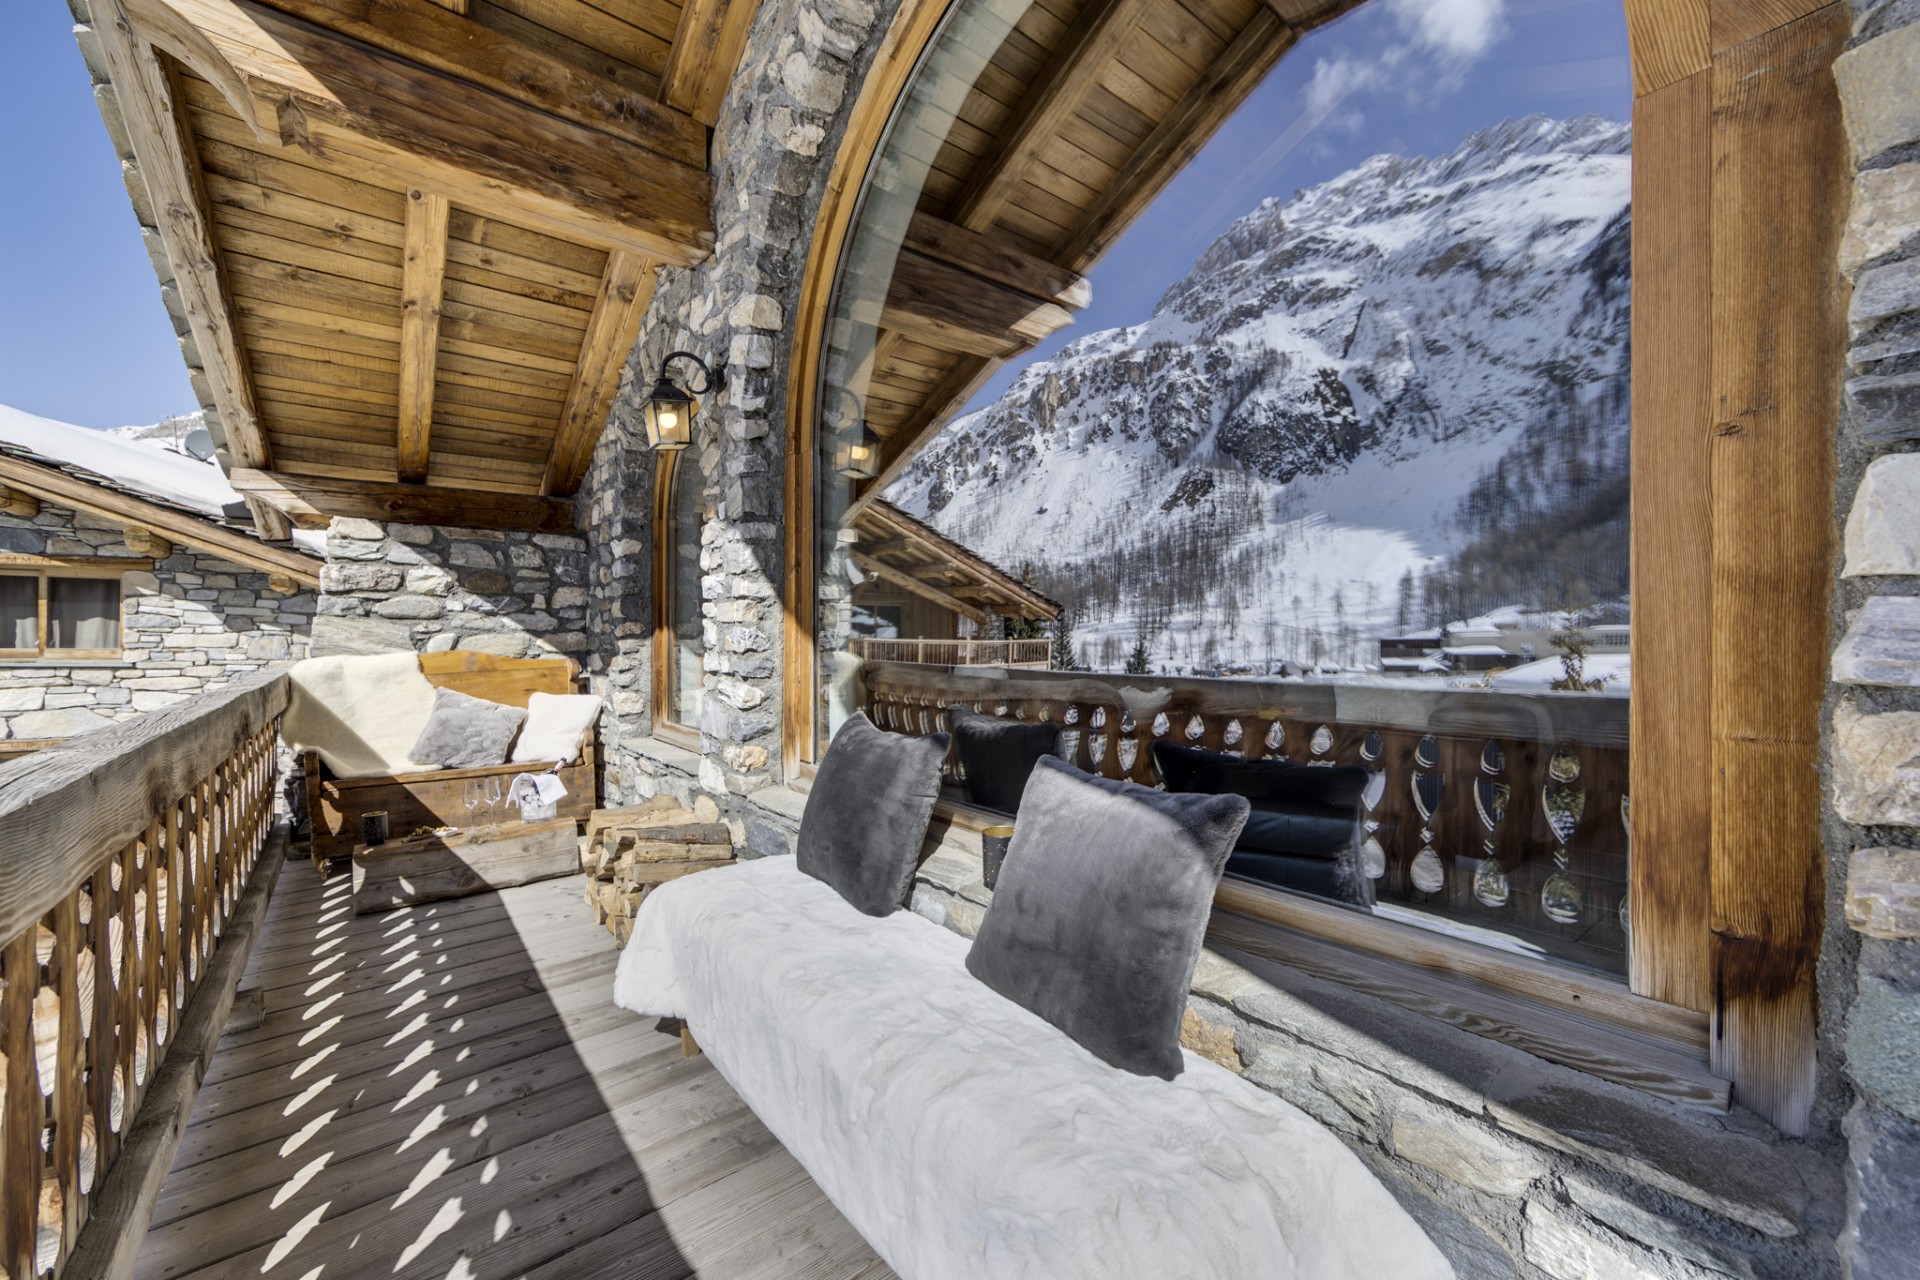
(437, 798)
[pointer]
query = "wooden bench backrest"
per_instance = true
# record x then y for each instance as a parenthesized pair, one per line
(506, 680)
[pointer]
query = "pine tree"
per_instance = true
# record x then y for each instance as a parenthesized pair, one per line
(1064, 657)
(1140, 661)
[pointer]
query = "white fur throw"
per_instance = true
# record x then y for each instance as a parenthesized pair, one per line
(362, 713)
(965, 1137)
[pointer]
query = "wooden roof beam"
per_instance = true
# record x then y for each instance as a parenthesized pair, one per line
(311, 501)
(164, 153)
(423, 31)
(990, 259)
(297, 84)
(926, 591)
(423, 277)
(706, 50)
(1063, 84)
(625, 290)
(50, 484)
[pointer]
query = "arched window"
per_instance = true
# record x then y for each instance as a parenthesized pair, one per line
(679, 644)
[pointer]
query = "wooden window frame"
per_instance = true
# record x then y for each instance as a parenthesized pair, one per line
(1739, 195)
(44, 568)
(687, 737)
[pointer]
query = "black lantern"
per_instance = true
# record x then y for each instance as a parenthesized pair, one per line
(669, 412)
(856, 450)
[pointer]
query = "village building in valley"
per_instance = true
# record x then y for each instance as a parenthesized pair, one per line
(974, 639)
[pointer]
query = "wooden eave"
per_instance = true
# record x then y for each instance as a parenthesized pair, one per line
(1079, 120)
(78, 490)
(902, 551)
(413, 243)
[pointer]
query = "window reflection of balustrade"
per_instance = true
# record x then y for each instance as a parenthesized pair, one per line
(1497, 816)
(105, 941)
(954, 653)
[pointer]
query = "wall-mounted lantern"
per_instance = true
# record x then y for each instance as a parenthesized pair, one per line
(856, 450)
(669, 412)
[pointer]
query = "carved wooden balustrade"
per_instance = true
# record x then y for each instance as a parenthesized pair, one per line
(1502, 815)
(122, 856)
(955, 653)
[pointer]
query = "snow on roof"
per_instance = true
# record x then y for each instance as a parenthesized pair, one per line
(1613, 670)
(145, 469)
(1477, 651)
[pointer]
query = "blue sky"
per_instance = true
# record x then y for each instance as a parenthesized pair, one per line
(1409, 77)
(83, 336)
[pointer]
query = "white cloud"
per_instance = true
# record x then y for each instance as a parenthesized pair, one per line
(1457, 30)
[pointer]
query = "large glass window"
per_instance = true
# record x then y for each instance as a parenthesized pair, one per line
(1332, 470)
(685, 622)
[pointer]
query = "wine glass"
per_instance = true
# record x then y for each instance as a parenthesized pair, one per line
(494, 793)
(472, 794)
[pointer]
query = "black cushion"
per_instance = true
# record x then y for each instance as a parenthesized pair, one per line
(996, 755)
(867, 814)
(1099, 913)
(1305, 829)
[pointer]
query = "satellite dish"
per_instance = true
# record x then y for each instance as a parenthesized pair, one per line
(199, 443)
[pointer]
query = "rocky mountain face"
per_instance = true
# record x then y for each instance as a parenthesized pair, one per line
(1398, 395)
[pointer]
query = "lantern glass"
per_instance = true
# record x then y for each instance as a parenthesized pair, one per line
(669, 417)
(856, 456)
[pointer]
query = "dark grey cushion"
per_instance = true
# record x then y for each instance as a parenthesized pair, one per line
(1097, 920)
(996, 755)
(867, 814)
(465, 732)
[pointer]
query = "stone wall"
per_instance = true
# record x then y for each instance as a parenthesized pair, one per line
(1871, 999)
(400, 587)
(194, 623)
(783, 117)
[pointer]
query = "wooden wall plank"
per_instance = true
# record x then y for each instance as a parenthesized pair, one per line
(1732, 22)
(1779, 197)
(1668, 39)
(424, 277)
(1672, 608)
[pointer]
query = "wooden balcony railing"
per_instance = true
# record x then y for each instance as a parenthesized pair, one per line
(122, 857)
(1500, 814)
(955, 653)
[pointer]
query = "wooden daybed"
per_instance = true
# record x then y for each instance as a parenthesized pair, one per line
(437, 798)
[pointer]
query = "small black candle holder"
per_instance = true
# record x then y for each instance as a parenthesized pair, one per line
(993, 852)
(373, 828)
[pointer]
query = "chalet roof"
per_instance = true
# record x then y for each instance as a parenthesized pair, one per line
(141, 486)
(913, 555)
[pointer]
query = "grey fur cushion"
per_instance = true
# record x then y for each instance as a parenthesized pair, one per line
(465, 732)
(867, 814)
(1097, 920)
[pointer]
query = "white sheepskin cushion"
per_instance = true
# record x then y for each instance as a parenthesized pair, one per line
(556, 722)
(967, 1139)
(361, 713)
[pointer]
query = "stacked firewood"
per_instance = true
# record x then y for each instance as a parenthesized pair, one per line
(630, 850)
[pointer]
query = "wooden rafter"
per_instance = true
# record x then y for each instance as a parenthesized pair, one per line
(423, 275)
(706, 49)
(625, 291)
(925, 590)
(167, 167)
(310, 502)
(891, 537)
(423, 31)
(297, 84)
(1065, 82)
(50, 484)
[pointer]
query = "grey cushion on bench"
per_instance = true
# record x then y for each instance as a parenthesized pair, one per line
(867, 813)
(1098, 917)
(997, 756)
(465, 732)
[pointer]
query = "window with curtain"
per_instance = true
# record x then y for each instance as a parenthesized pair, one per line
(47, 614)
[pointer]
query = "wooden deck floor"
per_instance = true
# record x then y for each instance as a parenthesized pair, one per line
(448, 1091)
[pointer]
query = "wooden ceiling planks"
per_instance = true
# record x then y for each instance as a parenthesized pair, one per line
(426, 230)
(1083, 115)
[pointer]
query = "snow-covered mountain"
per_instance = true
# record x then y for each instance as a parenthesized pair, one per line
(1416, 369)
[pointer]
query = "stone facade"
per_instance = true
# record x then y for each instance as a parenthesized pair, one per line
(192, 624)
(390, 588)
(1871, 996)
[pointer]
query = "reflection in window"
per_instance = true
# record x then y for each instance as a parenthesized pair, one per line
(20, 613)
(686, 645)
(1348, 410)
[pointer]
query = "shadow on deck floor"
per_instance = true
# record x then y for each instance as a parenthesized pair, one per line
(447, 1090)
